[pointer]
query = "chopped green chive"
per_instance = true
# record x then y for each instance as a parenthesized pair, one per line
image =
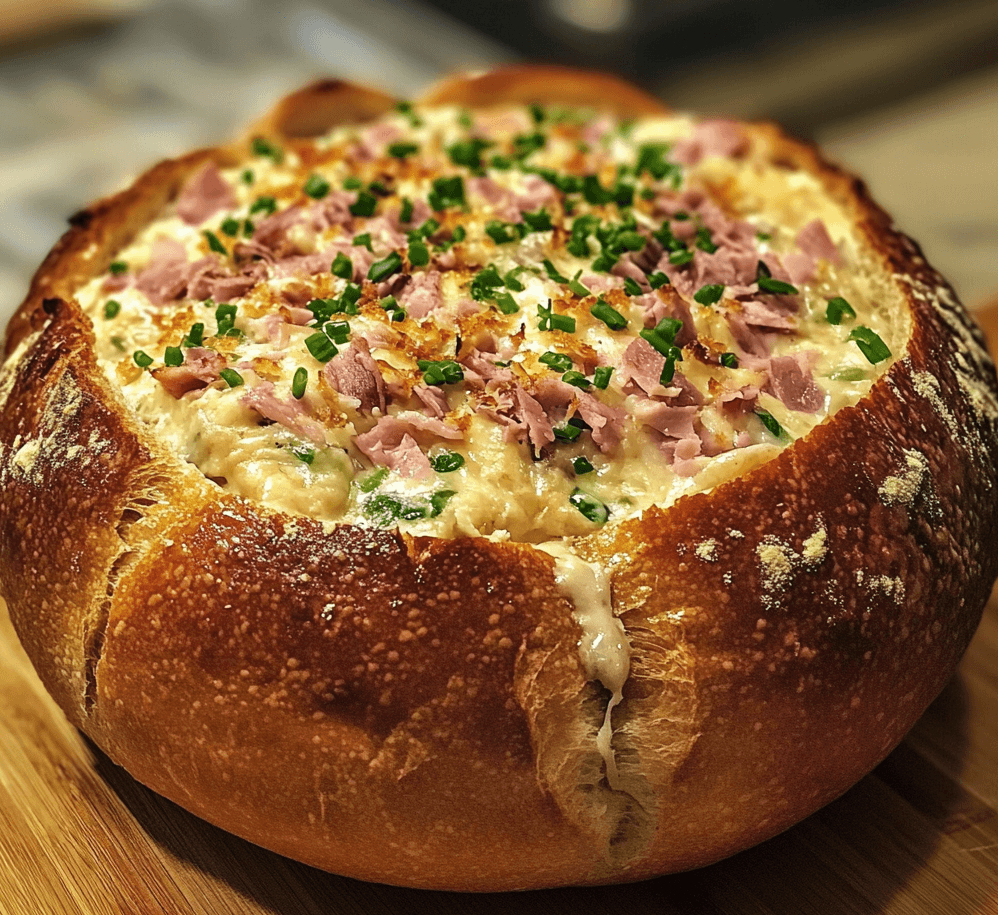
(581, 466)
(709, 294)
(581, 291)
(118, 267)
(316, 187)
(299, 383)
(657, 279)
(674, 355)
(337, 331)
(576, 379)
(439, 500)
(402, 150)
(589, 506)
(447, 462)
(569, 432)
(604, 312)
(373, 480)
(837, 309)
(503, 233)
(539, 221)
(663, 335)
(631, 286)
(551, 321)
(704, 240)
(405, 213)
(771, 423)
(870, 344)
(321, 347)
(447, 192)
(526, 143)
(264, 204)
(442, 372)
(352, 183)
(230, 227)
(605, 262)
(231, 377)
(248, 227)
(729, 360)
(262, 147)
(578, 246)
(342, 266)
(118, 343)
(215, 244)
(112, 308)
(601, 377)
(173, 356)
(419, 254)
(362, 241)
(381, 270)
(468, 152)
(506, 303)
(364, 204)
(776, 287)
(558, 361)
(142, 360)
(195, 335)
(247, 176)
(680, 258)
(225, 318)
(552, 272)
(512, 282)
(304, 454)
(484, 282)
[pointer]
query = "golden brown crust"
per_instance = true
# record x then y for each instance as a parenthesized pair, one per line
(370, 703)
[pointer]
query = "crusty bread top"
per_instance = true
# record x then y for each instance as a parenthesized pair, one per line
(370, 701)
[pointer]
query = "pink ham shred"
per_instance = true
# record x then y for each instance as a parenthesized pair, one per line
(288, 412)
(390, 443)
(793, 384)
(710, 138)
(199, 369)
(643, 365)
(207, 279)
(421, 295)
(433, 399)
(355, 374)
(814, 240)
(165, 277)
(205, 194)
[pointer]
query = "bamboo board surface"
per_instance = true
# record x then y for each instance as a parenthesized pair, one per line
(918, 836)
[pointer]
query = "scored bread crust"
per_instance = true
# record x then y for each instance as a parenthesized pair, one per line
(415, 710)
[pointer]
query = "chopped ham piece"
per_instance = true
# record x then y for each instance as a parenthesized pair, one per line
(792, 383)
(289, 412)
(354, 373)
(799, 267)
(433, 398)
(199, 369)
(207, 279)
(501, 200)
(374, 140)
(421, 294)
(814, 239)
(536, 193)
(303, 264)
(390, 442)
(533, 419)
(674, 422)
(750, 338)
(710, 138)
(165, 277)
(641, 364)
(771, 314)
(740, 402)
(205, 193)
(332, 210)
(480, 366)
(607, 422)
(625, 267)
(271, 232)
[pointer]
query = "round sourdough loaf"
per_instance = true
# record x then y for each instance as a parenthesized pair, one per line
(434, 711)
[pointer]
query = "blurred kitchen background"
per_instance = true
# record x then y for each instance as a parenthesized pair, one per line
(904, 92)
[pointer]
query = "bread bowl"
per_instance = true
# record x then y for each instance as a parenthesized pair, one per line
(418, 700)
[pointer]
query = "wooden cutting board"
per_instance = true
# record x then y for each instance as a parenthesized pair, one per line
(918, 836)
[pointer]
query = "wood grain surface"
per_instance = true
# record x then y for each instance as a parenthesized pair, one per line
(917, 836)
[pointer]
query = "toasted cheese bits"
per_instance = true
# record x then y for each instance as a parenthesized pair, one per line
(520, 323)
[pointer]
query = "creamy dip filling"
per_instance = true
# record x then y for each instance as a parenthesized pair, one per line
(519, 324)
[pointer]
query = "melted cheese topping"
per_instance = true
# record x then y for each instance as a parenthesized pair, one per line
(502, 266)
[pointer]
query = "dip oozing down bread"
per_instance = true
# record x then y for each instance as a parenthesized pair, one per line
(528, 468)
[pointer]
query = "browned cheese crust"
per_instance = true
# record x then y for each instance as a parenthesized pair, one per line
(415, 711)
